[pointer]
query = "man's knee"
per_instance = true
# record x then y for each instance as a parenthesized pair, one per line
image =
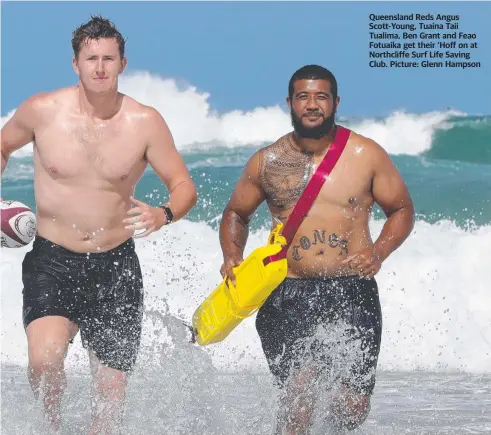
(351, 410)
(112, 386)
(48, 339)
(109, 383)
(46, 369)
(47, 354)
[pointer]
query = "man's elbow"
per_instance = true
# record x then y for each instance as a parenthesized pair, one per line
(194, 195)
(227, 213)
(408, 208)
(5, 151)
(189, 192)
(5, 158)
(230, 215)
(412, 215)
(405, 212)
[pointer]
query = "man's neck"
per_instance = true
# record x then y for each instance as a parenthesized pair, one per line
(99, 107)
(314, 146)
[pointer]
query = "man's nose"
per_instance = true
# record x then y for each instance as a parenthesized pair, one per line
(312, 103)
(100, 68)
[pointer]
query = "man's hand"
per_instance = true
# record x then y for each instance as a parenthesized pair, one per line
(227, 266)
(149, 218)
(365, 262)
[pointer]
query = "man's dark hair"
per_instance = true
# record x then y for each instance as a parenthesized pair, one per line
(97, 28)
(313, 72)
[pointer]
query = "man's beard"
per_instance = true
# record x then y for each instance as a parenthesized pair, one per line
(312, 132)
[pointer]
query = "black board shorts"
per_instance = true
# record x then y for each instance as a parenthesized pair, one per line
(288, 326)
(100, 292)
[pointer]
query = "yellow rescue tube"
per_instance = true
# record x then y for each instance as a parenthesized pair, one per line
(227, 305)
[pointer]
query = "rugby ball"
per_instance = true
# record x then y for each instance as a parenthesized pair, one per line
(18, 224)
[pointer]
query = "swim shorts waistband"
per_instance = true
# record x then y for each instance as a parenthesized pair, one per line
(326, 279)
(40, 243)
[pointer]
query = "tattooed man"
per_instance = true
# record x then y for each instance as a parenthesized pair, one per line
(325, 318)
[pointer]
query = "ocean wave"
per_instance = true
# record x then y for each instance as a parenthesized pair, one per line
(436, 134)
(466, 139)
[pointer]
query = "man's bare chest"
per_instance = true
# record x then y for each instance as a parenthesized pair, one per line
(75, 150)
(347, 186)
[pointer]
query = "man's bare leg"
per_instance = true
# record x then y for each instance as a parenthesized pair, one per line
(297, 403)
(350, 409)
(108, 397)
(48, 339)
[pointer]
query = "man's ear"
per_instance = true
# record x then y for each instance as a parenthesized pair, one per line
(124, 62)
(75, 65)
(337, 101)
(289, 102)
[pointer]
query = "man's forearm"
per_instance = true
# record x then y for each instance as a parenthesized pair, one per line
(233, 235)
(182, 199)
(4, 163)
(395, 230)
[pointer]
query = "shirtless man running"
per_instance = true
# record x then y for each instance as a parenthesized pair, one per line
(91, 146)
(332, 260)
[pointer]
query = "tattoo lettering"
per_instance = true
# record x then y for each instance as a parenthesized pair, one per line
(333, 241)
(296, 256)
(344, 247)
(305, 243)
(319, 237)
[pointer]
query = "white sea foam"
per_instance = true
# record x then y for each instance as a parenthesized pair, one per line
(434, 292)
